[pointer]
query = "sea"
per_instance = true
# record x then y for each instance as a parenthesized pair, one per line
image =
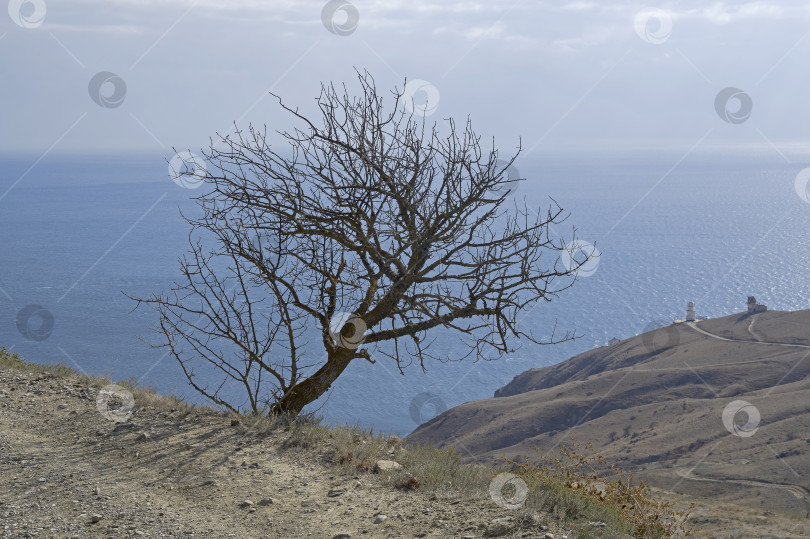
(78, 233)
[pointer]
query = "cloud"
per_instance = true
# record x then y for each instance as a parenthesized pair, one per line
(722, 13)
(114, 29)
(592, 36)
(208, 61)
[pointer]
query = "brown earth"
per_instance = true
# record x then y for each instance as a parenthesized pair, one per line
(653, 404)
(67, 471)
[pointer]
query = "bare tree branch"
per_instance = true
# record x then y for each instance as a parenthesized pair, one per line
(370, 230)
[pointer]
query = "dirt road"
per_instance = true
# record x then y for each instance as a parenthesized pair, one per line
(67, 471)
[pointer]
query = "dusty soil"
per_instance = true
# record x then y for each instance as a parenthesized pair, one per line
(654, 405)
(67, 471)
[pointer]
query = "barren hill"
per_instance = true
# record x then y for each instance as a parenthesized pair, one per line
(655, 403)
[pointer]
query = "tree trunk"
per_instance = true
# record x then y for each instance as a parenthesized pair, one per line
(307, 391)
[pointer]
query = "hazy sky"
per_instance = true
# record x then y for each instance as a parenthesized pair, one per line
(565, 73)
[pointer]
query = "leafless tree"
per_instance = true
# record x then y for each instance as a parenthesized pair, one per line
(366, 233)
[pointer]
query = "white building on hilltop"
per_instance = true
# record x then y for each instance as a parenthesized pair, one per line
(690, 312)
(691, 315)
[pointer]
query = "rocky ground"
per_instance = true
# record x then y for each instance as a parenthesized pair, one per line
(69, 470)
(666, 407)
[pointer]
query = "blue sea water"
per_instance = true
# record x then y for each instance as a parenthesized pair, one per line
(710, 227)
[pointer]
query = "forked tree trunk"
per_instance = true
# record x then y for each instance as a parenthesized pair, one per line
(298, 396)
(340, 219)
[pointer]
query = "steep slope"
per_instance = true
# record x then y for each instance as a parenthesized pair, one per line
(654, 404)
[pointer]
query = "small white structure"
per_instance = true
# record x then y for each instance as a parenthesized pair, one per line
(690, 312)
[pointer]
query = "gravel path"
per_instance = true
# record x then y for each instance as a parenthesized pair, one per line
(694, 326)
(67, 471)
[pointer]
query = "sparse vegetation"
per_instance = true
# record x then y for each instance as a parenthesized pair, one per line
(144, 396)
(580, 491)
(579, 487)
(585, 484)
(11, 360)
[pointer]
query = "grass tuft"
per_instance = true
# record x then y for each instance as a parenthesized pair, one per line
(144, 396)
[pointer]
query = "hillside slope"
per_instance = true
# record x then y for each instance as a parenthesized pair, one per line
(67, 471)
(654, 405)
